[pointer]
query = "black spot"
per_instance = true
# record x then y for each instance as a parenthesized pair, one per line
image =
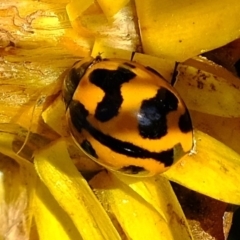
(152, 117)
(168, 157)
(110, 82)
(79, 119)
(154, 72)
(132, 169)
(185, 123)
(72, 80)
(78, 115)
(129, 65)
(237, 67)
(86, 145)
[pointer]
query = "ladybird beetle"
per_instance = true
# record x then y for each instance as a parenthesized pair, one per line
(125, 116)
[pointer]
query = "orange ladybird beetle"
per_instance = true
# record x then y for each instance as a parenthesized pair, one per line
(125, 116)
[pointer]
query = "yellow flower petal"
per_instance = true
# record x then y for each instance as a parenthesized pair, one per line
(225, 130)
(163, 66)
(202, 84)
(185, 28)
(72, 192)
(213, 170)
(144, 209)
(51, 220)
(111, 8)
(76, 7)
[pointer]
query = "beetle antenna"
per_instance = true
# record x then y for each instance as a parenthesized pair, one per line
(37, 103)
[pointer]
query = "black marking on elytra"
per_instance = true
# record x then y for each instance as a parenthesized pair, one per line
(131, 169)
(79, 115)
(110, 82)
(168, 157)
(154, 72)
(152, 116)
(129, 65)
(72, 80)
(87, 146)
(237, 67)
(185, 123)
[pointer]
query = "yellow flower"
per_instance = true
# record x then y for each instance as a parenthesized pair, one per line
(42, 193)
